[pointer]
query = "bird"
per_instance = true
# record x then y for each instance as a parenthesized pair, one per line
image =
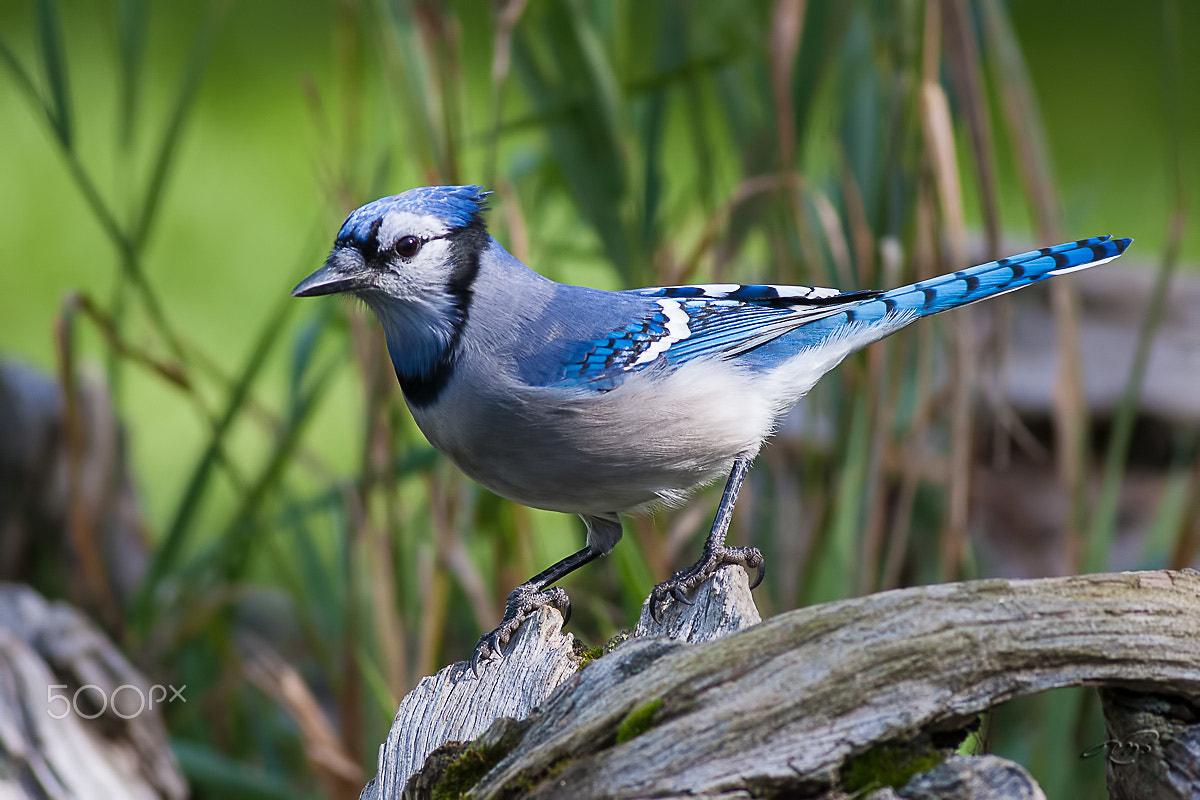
(601, 403)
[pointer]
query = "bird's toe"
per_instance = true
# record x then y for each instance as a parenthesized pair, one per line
(685, 581)
(522, 602)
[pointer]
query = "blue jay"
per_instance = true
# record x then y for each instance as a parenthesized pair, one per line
(597, 403)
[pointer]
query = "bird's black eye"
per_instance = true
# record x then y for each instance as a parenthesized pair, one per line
(407, 246)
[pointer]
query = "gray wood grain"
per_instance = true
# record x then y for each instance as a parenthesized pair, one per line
(779, 708)
(99, 737)
(968, 778)
(454, 706)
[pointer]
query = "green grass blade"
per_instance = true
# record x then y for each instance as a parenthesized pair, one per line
(831, 568)
(132, 19)
(571, 85)
(417, 86)
(182, 104)
(305, 570)
(23, 79)
(825, 26)
(671, 49)
(233, 551)
(54, 68)
(1104, 522)
(178, 531)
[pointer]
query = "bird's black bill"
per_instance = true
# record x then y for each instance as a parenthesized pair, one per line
(326, 280)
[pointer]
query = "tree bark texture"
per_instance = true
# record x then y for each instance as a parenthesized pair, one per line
(76, 718)
(791, 707)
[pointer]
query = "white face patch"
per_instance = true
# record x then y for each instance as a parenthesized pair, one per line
(398, 223)
(677, 330)
(423, 276)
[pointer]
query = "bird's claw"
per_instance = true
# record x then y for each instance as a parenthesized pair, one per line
(522, 602)
(488, 647)
(685, 581)
(760, 574)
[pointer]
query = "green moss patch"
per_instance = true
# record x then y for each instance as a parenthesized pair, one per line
(637, 722)
(590, 654)
(587, 654)
(464, 770)
(888, 765)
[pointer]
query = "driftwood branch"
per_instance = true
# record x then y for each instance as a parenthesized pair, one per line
(454, 706)
(77, 720)
(789, 706)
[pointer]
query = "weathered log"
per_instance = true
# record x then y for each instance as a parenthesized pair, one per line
(77, 720)
(788, 707)
(454, 706)
(967, 778)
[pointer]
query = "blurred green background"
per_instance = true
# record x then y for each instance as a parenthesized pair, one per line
(183, 165)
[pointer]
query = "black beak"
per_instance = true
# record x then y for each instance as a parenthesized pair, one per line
(336, 276)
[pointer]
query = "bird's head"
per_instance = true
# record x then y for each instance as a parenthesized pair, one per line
(405, 246)
(412, 258)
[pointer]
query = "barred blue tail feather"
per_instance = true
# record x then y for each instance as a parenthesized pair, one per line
(849, 321)
(994, 278)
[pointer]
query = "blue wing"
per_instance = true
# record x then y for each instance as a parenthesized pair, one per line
(726, 320)
(712, 320)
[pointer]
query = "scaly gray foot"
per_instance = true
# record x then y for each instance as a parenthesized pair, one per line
(522, 602)
(685, 581)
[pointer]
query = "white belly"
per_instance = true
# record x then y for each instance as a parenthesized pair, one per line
(652, 439)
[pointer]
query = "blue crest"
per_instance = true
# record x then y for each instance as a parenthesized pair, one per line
(457, 205)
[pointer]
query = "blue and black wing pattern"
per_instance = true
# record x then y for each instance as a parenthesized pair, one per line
(686, 323)
(639, 342)
(690, 322)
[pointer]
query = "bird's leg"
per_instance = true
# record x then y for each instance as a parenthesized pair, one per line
(527, 598)
(716, 554)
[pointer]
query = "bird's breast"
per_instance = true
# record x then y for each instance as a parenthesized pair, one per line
(653, 438)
